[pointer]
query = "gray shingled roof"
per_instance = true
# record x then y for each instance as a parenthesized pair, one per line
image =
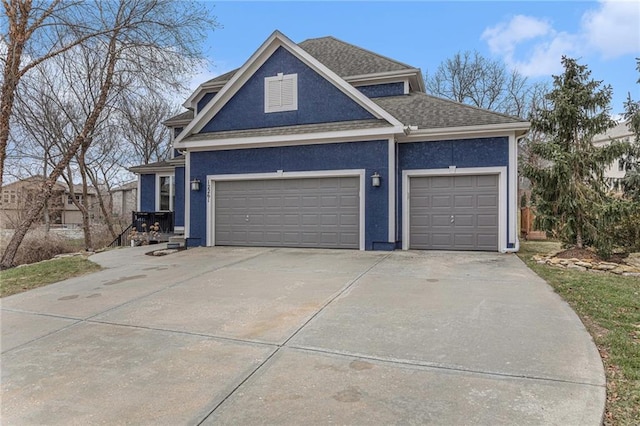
(429, 112)
(291, 130)
(346, 59)
(183, 116)
(342, 58)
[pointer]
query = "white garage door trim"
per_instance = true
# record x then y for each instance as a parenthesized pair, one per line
(211, 187)
(453, 171)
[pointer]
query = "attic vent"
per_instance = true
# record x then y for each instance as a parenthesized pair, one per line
(281, 93)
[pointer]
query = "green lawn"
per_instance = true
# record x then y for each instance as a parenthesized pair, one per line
(17, 280)
(609, 306)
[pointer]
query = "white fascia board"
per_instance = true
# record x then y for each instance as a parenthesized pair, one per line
(174, 123)
(152, 170)
(277, 39)
(197, 94)
(465, 132)
(375, 78)
(289, 140)
(413, 76)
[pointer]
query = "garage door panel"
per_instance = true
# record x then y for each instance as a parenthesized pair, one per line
(487, 200)
(464, 220)
(466, 200)
(472, 200)
(486, 181)
(438, 220)
(440, 182)
(309, 212)
(441, 240)
(463, 182)
(490, 220)
(440, 201)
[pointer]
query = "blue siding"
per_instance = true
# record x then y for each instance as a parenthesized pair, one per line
(319, 101)
(176, 131)
(483, 152)
(205, 100)
(380, 90)
(371, 156)
(148, 192)
(178, 207)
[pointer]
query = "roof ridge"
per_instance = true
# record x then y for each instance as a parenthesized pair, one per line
(360, 48)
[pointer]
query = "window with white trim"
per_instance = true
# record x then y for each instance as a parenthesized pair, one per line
(281, 93)
(165, 193)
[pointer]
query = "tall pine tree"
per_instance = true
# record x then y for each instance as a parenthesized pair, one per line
(569, 188)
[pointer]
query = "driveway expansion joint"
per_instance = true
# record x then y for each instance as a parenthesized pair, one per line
(439, 366)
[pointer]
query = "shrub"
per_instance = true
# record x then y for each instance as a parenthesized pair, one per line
(38, 246)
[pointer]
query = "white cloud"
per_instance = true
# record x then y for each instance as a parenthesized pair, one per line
(544, 58)
(613, 29)
(543, 46)
(504, 37)
(533, 47)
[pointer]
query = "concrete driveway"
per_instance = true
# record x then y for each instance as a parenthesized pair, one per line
(292, 336)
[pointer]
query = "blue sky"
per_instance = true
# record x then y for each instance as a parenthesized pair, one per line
(527, 36)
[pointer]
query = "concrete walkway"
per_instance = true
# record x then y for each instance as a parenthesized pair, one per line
(292, 336)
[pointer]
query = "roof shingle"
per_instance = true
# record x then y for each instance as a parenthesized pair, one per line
(429, 112)
(291, 130)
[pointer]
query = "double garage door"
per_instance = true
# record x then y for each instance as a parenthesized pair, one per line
(453, 212)
(307, 212)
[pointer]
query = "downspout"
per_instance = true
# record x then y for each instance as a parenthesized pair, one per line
(516, 247)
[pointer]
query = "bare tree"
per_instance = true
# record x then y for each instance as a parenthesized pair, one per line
(468, 77)
(35, 32)
(145, 45)
(144, 131)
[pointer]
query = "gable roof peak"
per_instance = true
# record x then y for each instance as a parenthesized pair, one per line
(346, 59)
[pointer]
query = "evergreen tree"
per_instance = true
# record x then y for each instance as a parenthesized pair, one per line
(569, 188)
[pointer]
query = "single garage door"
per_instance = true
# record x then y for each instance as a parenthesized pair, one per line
(454, 212)
(309, 212)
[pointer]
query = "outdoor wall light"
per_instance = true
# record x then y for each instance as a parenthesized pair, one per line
(195, 185)
(375, 179)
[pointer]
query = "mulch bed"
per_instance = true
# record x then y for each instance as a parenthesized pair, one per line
(582, 253)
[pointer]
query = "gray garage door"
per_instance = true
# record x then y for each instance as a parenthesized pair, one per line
(318, 212)
(454, 212)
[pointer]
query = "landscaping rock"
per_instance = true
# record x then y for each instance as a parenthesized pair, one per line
(633, 260)
(604, 266)
(584, 264)
(576, 267)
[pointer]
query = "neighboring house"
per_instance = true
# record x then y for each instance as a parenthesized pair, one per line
(124, 200)
(325, 144)
(17, 197)
(616, 171)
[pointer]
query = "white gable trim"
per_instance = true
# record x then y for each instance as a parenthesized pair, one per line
(256, 60)
(357, 135)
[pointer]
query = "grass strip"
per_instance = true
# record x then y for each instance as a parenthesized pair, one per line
(17, 280)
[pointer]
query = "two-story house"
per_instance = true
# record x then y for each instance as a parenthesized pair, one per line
(325, 144)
